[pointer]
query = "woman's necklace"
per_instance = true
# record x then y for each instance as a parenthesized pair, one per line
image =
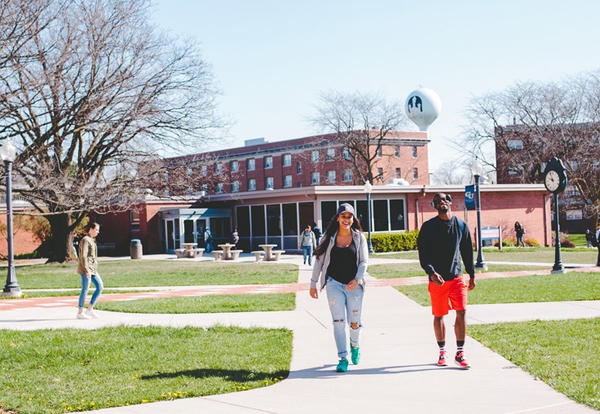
(343, 241)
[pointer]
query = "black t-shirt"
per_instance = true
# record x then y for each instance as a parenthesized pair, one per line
(342, 263)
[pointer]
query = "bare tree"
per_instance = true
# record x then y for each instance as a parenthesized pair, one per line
(451, 173)
(89, 98)
(521, 128)
(362, 124)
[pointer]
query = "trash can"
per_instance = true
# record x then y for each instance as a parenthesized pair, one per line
(135, 249)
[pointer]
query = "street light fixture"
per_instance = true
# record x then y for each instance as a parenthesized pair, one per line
(8, 154)
(367, 189)
(477, 169)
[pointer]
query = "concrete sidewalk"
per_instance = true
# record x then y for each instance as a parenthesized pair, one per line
(396, 374)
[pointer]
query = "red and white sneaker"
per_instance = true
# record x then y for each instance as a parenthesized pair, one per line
(442, 360)
(460, 361)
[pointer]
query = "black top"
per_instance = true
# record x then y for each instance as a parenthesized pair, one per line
(441, 245)
(342, 263)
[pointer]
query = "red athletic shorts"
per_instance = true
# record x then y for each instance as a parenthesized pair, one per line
(451, 295)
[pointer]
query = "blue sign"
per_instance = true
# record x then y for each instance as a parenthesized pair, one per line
(470, 197)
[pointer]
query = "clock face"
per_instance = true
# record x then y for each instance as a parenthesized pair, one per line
(552, 181)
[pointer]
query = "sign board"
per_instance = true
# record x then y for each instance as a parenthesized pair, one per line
(490, 233)
(470, 197)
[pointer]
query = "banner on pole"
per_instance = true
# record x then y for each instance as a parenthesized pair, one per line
(470, 197)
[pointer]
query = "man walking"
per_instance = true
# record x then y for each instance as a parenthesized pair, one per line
(597, 235)
(442, 242)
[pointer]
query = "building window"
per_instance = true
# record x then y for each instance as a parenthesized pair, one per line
(251, 184)
(571, 191)
(514, 144)
(314, 156)
(134, 220)
(235, 187)
(379, 152)
(204, 170)
(299, 167)
(315, 178)
(205, 187)
(331, 177)
(415, 173)
(166, 176)
(398, 173)
(347, 175)
(287, 181)
(269, 183)
(287, 160)
(380, 173)
(251, 164)
(397, 151)
(513, 171)
(414, 152)
(235, 166)
(219, 168)
(330, 154)
(574, 215)
(219, 188)
(346, 154)
(189, 171)
(268, 162)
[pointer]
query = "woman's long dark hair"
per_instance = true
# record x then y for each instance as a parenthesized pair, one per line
(332, 228)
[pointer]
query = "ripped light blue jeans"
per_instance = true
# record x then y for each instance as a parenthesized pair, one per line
(85, 286)
(346, 308)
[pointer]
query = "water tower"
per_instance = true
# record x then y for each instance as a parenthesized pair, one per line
(423, 107)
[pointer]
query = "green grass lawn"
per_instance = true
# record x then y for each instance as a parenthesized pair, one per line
(561, 353)
(393, 270)
(578, 239)
(513, 254)
(205, 304)
(124, 273)
(55, 371)
(545, 288)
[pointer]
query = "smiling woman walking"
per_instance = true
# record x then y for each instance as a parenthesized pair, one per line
(340, 266)
(87, 267)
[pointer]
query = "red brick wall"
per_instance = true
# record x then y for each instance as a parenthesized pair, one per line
(531, 209)
(23, 240)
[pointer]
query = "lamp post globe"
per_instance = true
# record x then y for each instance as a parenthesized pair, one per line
(477, 170)
(8, 154)
(367, 189)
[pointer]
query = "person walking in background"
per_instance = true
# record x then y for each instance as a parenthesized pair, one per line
(588, 238)
(442, 241)
(308, 242)
(597, 236)
(317, 232)
(87, 267)
(208, 241)
(235, 237)
(519, 231)
(340, 265)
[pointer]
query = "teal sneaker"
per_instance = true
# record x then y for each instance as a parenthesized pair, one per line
(342, 366)
(355, 352)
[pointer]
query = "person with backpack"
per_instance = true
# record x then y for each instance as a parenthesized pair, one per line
(519, 231)
(317, 232)
(208, 241)
(442, 242)
(308, 242)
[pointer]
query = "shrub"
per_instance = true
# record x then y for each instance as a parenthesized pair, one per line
(505, 243)
(531, 242)
(394, 242)
(566, 243)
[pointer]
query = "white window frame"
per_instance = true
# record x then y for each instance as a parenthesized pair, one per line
(268, 162)
(346, 154)
(269, 183)
(287, 181)
(204, 170)
(235, 166)
(235, 186)
(397, 151)
(251, 164)
(315, 178)
(252, 184)
(314, 156)
(331, 177)
(414, 151)
(219, 168)
(219, 188)
(514, 144)
(379, 152)
(287, 160)
(299, 167)
(330, 154)
(347, 175)
(398, 172)
(415, 173)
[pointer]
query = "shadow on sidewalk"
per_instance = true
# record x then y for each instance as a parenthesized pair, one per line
(326, 371)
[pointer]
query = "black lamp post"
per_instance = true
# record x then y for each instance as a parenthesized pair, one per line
(367, 189)
(8, 153)
(476, 169)
(558, 265)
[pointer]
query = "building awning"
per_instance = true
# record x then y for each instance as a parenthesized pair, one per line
(195, 213)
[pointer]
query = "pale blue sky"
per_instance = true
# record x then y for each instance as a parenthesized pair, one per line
(271, 59)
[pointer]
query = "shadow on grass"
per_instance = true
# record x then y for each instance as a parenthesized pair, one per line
(236, 375)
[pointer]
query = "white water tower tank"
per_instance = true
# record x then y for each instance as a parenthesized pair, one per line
(423, 107)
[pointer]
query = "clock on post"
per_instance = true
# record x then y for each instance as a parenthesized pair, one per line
(555, 176)
(555, 180)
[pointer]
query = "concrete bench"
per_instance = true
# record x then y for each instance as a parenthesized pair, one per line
(218, 254)
(235, 254)
(199, 251)
(275, 254)
(258, 254)
(180, 253)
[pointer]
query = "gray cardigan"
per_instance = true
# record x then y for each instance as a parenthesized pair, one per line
(322, 261)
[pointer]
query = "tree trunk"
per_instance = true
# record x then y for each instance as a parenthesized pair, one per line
(61, 243)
